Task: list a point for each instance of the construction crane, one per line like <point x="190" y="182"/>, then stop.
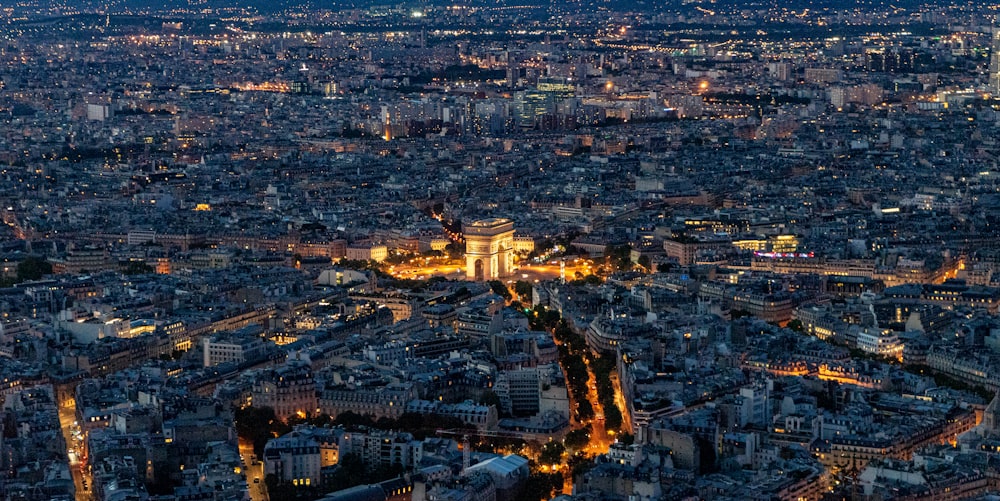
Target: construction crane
<point x="481" y="433"/>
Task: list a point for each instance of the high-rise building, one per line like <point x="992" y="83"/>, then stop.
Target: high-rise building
<point x="995" y="62"/>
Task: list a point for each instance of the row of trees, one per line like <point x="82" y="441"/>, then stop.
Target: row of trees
<point x="34" y="268"/>
<point x="259" y="424"/>
<point x="351" y="471"/>
<point x="603" y="368"/>
<point x="572" y="348"/>
<point x="31" y="268"/>
<point x="540" y="486"/>
<point x="576" y="381"/>
<point x="542" y="319"/>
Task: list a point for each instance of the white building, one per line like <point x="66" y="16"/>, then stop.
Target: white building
<point x="87" y="327"/>
<point x="753" y="406"/>
<point x="293" y="458"/>
<point x="366" y="251"/>
<point x="519" y="391"/>
<point x="99" y="112"/>
<point x="483" y="417"/>
<point x="222" y="349"/>
<point x="882" y="342"/>
<point x="139" y="237"/>
<point x="507" y="472"/>
<point x="382" y="448"/>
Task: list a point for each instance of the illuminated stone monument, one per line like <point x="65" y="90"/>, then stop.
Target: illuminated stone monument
<point x="489" y="249"/>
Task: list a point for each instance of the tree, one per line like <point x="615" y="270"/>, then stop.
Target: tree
<point x="351" y="471"/>
<point x="542" y="318"/>
<point x="539" y="486"/>
<point x="523" y="288"/>
<point x="645" y="262"/>
<point x="488" y="397"/>
<point x="584" y="410"/>
<point x="397" y="258"/>
<point x="454" y="250"/>
<point x="500" y="289"/>
<point x="612" y="417"/>
<point x="354" y="264"/>
<point x="734" y="314"/>
<point x="258" y="425"/>
<point x="552" y="453"/>
<point x="619" y="256"/>
<point x="577" y="439"/>
<point x="320" y="420"/>
<point x="588" y="280"/>
<point x="353" y="420"/>
<point x="33" y="268"/>
<point x="579" y="465"/>
<point x="137" y="268"/>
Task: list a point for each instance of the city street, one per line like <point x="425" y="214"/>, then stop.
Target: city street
<point x="82" y="481"/>
<point x="255" y="473"/>
<point x="600" y="439"/>
<point x="424" y="268"/>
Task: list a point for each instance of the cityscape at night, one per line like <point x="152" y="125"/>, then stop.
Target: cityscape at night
<point x="499" y="250"/>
